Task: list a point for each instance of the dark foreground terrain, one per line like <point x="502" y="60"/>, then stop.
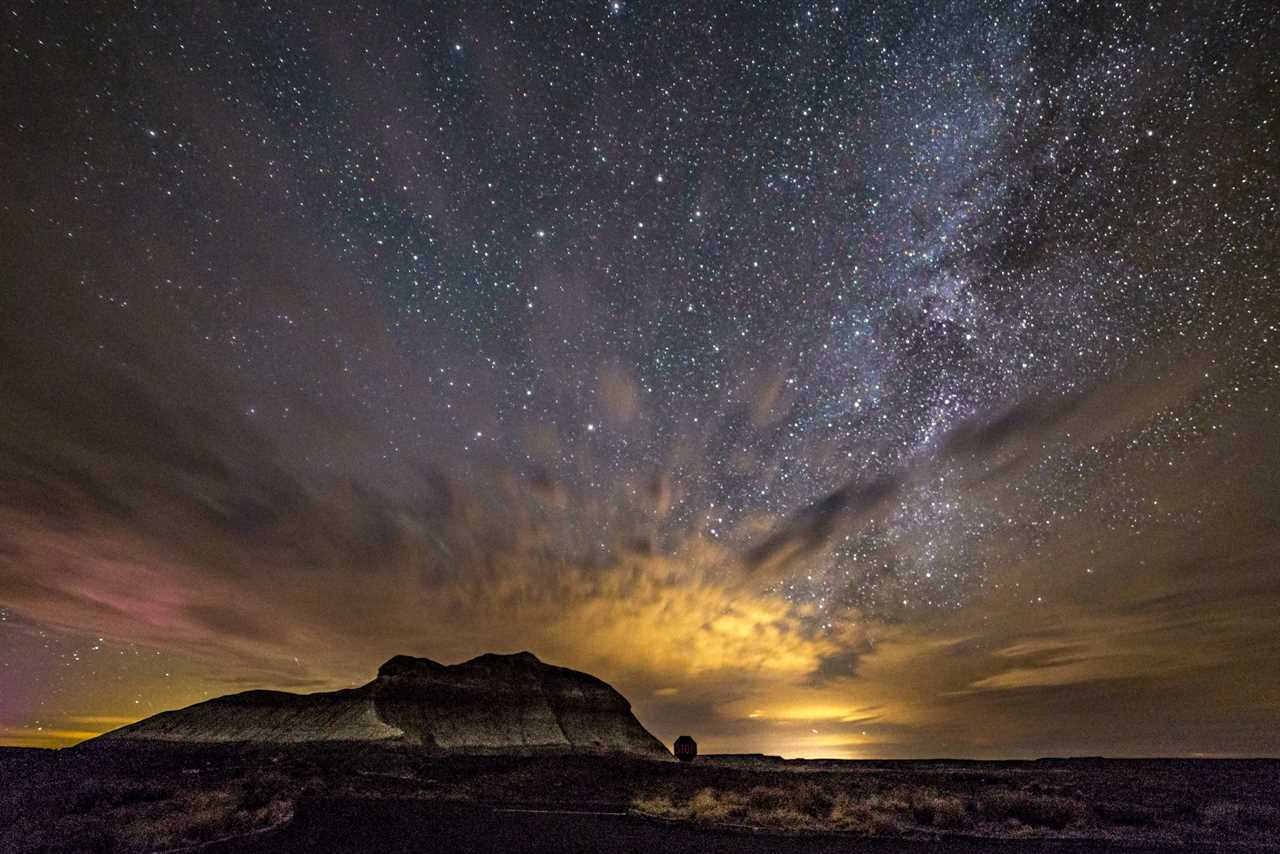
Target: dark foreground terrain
<point x="367" y="797"/>
<point x="351" y="825"/>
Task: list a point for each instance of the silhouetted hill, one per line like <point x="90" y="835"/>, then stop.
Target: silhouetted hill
<point x="490" y="702"/>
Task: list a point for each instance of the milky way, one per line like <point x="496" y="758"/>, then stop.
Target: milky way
<point x="943" y="328"/>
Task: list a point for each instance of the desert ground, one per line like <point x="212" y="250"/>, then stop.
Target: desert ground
<point x="339" y="797"/>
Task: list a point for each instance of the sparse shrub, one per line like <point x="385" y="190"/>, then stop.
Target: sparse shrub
<point x="96" y="839"/>
<point x="206" y="828"/>
<point x="766" y="806"/>
<point x="659" y="805"/>
<point x="705" y="805"/>
<point x="940" y="811"/>
<point x="1133" y="815"/>
<point x="1226" y="816"/>
<point x="851" y="814"/>
<point x="883" y="824"/>
<point x="1049" y="811"/>
<point x="1221" y="815"/>
<point x="81" y="835"/>
<point x="848" y="810"/>
<point x="762" y="799"/>
<point x="813" y="801"/>
<point x="141" y="794"/>
<point x="88" y="796"/>
<point x="893" y="802"/>
<point x="260" y="789"/>
<point x="780" y="817"/>
<point x="1259" y="817"/>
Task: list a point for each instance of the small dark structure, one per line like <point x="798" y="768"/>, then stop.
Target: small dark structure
<point x="686" y="748"/>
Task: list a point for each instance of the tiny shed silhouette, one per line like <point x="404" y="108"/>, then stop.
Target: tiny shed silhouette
<point x="686" y="748"/>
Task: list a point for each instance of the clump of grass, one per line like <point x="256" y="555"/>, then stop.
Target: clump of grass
<point x="1132" y="815"/>
<point x="706" y="805"/>
<point x="805" y="806"/>
<point x="810" y="805"/>
<point x="940" y="811"/>
<point x="1259" y="817"/>
<point x="129" y="817"/>
<point x="783" y="817"/>
<point x="88" y="796"/>
<point x="764" y="806"/>
<point x="1051" y="811"/>
<point x="891" y="802"/>
<point x="80" y="834"/>
<point x="866" y="817"/>
<point x="258" y="790"/>
<point x="202" y="817"/>
<point x="1224" y="815"/>
<point x="764" y="799"/>
<point x="658" y="805"/>
<point x="813" y="801"/>
<point x="1221" y="814"/>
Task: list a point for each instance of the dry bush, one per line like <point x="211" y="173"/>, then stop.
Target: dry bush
<point x="659" y="805"/>
<point x="762" y="799"/>
<point x="1050" y="811"/>
<point x="1221" y="815"/>
<point x="859" y="816"/>
<point x="941" y="811"/>
<point x="780" y="817"/>
<point x="80" y="834"/>
<point x="893" y="802"/>
<point x="813" y="806"/>
<point x="706" y="805"/>
<point x="183" y="821"/>
<point x="765" y="806"/>
<point x="848" y="809"/>
<point x="1130" y="814"/>
<point x="1259" y="817"/>
<point x="258" y="790"/>
<point x="88" y="796"/>
<point x="1187" y="812"/>
<point x="813" y="801"/>
<point x="104" y="794"/>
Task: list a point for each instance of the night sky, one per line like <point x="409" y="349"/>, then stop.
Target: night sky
<point x="833" y="379"/>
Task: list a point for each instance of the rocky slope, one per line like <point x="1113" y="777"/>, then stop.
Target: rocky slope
<point x="490" y="702"/>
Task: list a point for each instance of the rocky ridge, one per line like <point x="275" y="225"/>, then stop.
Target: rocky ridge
<point x="492" y="702"/>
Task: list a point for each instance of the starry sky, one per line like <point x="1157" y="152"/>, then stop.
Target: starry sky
<point x="834" y="379"/>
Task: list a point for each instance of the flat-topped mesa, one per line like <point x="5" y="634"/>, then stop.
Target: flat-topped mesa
<point x="492" y="702"/>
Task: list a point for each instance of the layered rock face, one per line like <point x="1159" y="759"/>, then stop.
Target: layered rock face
<point x="490" y="702"/>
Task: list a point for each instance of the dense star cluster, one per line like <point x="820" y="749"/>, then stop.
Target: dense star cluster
<point x="882" y="314"/>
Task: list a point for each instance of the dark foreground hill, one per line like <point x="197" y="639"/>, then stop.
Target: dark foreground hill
<point x="493" y="702"/>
